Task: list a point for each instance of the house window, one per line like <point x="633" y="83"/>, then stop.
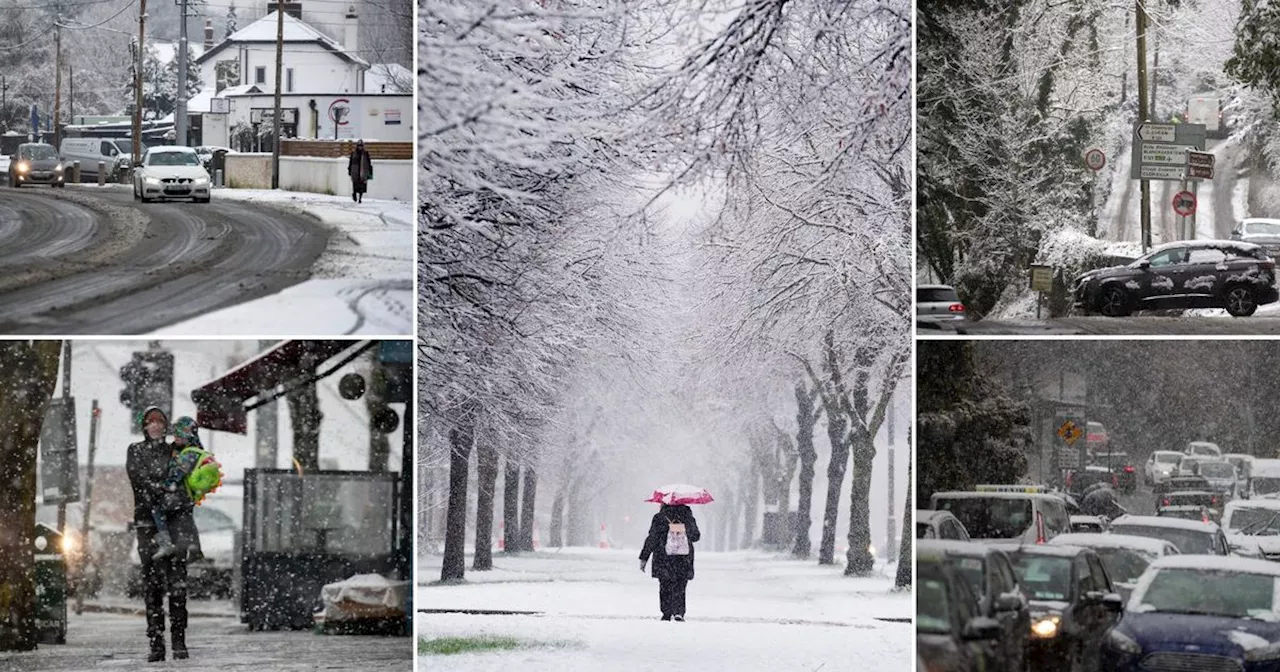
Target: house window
<point x="260" y="75"/>
<point x="288" y="80"/>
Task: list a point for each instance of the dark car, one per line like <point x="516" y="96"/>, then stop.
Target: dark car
<point x="1120" y="465"/>
<point x="1208" y="500"/>
<point x="1180" y="484"/>
<point x="1234" y="275"/>
<point x="35" y="163"/>
<point x="1073" y="604"/>
<point x="993" y="581"/>
<point x="1201" y="513"/>
<point x="1198" y="613"/>
<point x="1259" y="231"/>
<point x="952" y="635"/>
<point x="1081" y="480"/>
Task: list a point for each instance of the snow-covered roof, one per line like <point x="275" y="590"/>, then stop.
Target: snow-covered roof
<point x="929" y="515"/>
<point x="1217" y="563"/>
<point x="396" y="77"/>
<point x="171" y="149"/>
<point x="1269" y="468"/>
<point x="970" y="549"/>
<point x="1096" y="540"/>
<point x="1061" y="551"/>
<point x="1158" y="521"/>
<point x="295" y="32"/>
<point x="1235" y="505"/>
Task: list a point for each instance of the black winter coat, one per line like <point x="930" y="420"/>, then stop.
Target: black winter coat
<point x="147" y="463"/>
<point x="670" y="566"/>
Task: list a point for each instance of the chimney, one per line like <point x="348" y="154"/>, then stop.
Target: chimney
<point x="293" y="9"/>
<point x="208" y="34"/>
<point x="351" y="31"/>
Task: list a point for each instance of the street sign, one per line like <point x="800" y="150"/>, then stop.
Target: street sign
<point x="1204" y="159"/>
<point x="1041" y="278"/>
<point x="1149" y="132"/>
<point x="1095" y="159"/>
<point x="59" y="464"/>
<point x="1184" y="203"/>
<point x="1199" y="173"/>
<point x="1070" y="432"/>
<point x="1160" y="150"/>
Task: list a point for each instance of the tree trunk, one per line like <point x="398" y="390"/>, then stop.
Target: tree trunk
<point x="375" y="401"/>
<point x="731" y="507"/>
<point x="305" y="415"/>
<point x="30" y="372"/>
<point x="577" y="516"/>
<point x="835" y="481"/>
<point x="858" y="558"/>
<point x="487" y="482"/>
<point x="526" y="513"/>
<point x="905" y="560"/>
<point x="806" y="416"/>
<point x="751" y="508"/>
<point x="511" y="507"/>
<point x="455" y="534"/>
<point x="557" y="521"/>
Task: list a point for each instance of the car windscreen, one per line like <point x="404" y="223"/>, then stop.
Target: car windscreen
<point x="1168" y="458"/>
<point x="936" y="295"/>
<point x="1263" y="228"/>
<point x="1190" y="499"/>
<point x="1217" y="470"/>
<point x="973" y="571"/>
<point x="1209" y="592"/>
<point x="41" y="153"/>
<point x="1043" y="577"/>
<point x="173" y="159"/>
<point x="924" y="531"/>
<point x="1265" y="485"/>
<point x="990" y="517"/>
<point x="1188" y="542"/>
<point x="1261" y="522"/>
<point x="932" y="606"/>
<point x="1124" y="565"/>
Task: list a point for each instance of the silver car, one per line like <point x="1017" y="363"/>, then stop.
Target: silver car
<point x="1259" y="231"/>
<point x="938" y="303"/>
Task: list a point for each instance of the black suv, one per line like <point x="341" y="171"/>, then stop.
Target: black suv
<point x="1181" y="484"/>
<point x="1227" y="274"/>
<point x="1120" y="465"/>
<point x="1073" y="605"/>
<point x="952" y="635"/>
<point x="995" y="584"/>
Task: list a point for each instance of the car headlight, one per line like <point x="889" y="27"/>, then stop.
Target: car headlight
<point x="23" y="167"/>
<point x="68" y="544"/>
<point x="151" y="180"/>
<point x="1122" y="642"/>
<point x="202" y="180"/>
<point x="57" y="168"/>
<point x="1045" y="627"/>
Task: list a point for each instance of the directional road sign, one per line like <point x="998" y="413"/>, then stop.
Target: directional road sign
<point x="1160" y="150"/>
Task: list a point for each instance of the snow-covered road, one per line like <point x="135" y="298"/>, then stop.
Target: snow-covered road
<point x="747" y="611"/>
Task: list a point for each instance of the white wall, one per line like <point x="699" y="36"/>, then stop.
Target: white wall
<point x="369" y="118"/>
<point x="314" y="68"/>
<point x="391" y="179"/>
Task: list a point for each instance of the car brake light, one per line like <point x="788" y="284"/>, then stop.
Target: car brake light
<point x="1040" y="528"/>
<point x="1213" y="500"/>
<point x="1128" y="470"/>
<point x="1164" y="502"/>
<point x="956" y="308"/>
<point x="1114" y="482"/>
<point x="1069" y="475"/>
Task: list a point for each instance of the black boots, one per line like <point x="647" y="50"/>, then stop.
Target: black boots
<point x="157" y="650"/>
<point x="179" y="646"/>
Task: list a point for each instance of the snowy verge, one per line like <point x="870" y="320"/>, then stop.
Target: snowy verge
<point x="1070" y="252"/>
<point x="313" y="307"/>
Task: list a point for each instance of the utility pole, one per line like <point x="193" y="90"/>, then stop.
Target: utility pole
<point x="275" y="121"/>
<point x="1142" y="116"/>
<point x="890" y="548"/>
<point x="57" y="89"/>
<point x="66" y="396"/>
<point x="71" y="94"/>
<point x="180" y="108"/>
<point x="86" y="549"/>
<point x="137" y="85"/>
<point x="4" y="102"/>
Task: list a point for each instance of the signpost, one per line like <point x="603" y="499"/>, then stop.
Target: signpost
<point x="1160" y="152"/>
<point x="1184" y="203"/>
<point x="1041" y="282"/>
<point x="1095" y="159"/>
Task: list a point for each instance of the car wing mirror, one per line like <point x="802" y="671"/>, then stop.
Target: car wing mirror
<point x="1144" y="264"/>
<point x="1009" y="602"/>
<point x="981" y="628"/>
<point x="1113" y="602"/>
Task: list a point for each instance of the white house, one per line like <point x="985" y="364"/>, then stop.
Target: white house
<point x="311" y="62"/>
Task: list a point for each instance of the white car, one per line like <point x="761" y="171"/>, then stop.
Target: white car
<point x="1161" y="465"/>
<point x="1253" y="527"/>
<point x="171" y="172"/>
<point x="1125" y="557"/>
<point x="938" y="303"/>
<point x="1189" y="465"/>
<point x="1203" y="448"/>
<point x="939" y="525"/>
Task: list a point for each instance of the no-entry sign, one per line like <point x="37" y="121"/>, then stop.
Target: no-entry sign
<point x="1184" y="203"/>
<point x="1095" y="159"/>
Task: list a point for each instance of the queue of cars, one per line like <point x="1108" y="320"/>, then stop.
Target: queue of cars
<point x="1149" y="593"/>
<point x="163" y="172"/>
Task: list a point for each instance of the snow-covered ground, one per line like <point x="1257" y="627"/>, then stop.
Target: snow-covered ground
<point x="362" y="284"/>
<point x="747" y="611"/>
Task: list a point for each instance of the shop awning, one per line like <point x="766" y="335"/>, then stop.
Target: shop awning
<point x="223" y="404"/>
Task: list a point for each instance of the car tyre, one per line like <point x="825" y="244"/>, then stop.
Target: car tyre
<point x="1114" y="302"/>
<point x="1240" y="301"/>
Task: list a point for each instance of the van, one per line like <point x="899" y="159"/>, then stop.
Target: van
<point x="1015" y="513"/>
<point x="115" y="153"/>
<point x="1264" y="479"/>
<point x="1203" y="448"/>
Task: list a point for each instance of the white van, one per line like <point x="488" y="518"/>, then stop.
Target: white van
<point x="115" y="153"/>
<point x="1264" y="479"/>
<point x="1017" y="513"/>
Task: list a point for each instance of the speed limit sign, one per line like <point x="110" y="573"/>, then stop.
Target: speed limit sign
<point x="1095" y="159"/>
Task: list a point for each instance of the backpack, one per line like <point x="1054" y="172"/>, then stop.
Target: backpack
<point x="677" y="540"/>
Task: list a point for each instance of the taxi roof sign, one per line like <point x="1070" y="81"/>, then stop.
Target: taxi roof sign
<point x="1030" y="489"/>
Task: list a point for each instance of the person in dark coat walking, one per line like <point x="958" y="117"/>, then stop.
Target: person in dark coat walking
<point x="360" y="168"/>
<point x="147" y="463"/>
<point x="673" y="571"/>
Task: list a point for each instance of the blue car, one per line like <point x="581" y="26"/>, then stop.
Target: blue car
<point x="1206" y="613"/>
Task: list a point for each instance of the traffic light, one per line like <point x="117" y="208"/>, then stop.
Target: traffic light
<point x="148" y="381"/>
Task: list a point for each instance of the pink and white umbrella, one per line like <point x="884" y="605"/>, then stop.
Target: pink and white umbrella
<point x="680" y="493"/>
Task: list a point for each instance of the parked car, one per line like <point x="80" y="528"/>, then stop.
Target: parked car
<point x="212" y="576"/>
<point x="1259" y="231"/>
<point x="1190" y="536"/>
<point x="1237" y="276"/>
<point x="994" y="583"/>
<point x="952" y="635"/>
<point x="939" y="525"/>
<point x="1200" y="613"/>
<point x="1161" y="465"/>
<point x="35" y="163"/>
<point x="1124" y="557"/>
<point x="171" y="172"/>
<point x="938" y="303"/>
<point x="1073" y="604"/>
<point x="115" y="155"/>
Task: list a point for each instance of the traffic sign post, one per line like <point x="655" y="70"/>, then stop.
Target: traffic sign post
<point x="1041" y="282"/>
<point x="1095" y="159"/>
<point x="1160" y="153"/>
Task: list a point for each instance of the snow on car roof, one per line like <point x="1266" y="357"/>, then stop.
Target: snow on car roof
<point x="930" y="516"/>
<point x="1268" y="468"/>
<point x="934" y="287"/>
<point x="1168" y="452"/>
<point x="1096" y="540"/>
<point x="1196" y="244"/>
<point x="964" y="494"/>
<point x="1156" y="521"/>
<point x="163" y="149"/>
<point x="1217" y="562"/>
<point x="954" y="547"/>
<point x="1269" y="504"/>
<point x="1061" y="550"/>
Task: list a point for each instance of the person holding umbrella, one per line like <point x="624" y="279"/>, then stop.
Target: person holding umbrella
<point x="672" y="535"/>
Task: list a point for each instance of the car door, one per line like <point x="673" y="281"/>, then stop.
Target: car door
<point x="1085" y="614"/>
<point x="1202" y="276"/>
<point x="1156" y="283"/>
<point x="1016" y="624"/>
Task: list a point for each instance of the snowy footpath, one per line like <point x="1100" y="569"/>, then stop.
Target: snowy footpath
<point x="362" y="284"/>
<point x="595" y="610"/>
<point x="118" y="642"/>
